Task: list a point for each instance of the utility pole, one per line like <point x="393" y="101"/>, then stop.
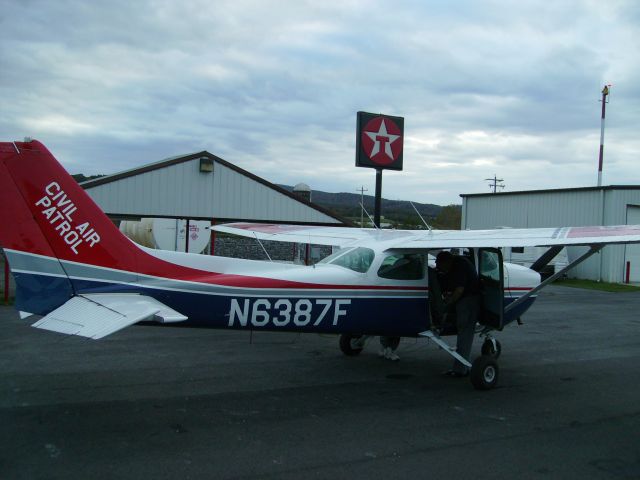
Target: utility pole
<point x="362" y="190"/>
<point x="495" y="183"/>
<point x="605" y="94"/>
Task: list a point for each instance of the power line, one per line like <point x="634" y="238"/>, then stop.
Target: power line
<point x="495" y="183"/>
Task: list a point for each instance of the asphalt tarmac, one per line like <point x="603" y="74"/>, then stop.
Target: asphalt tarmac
<point x="157" y="402"/>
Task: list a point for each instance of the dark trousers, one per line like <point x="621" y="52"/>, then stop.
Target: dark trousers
<point x="467" y="312"/>
<point x="390" y="342"/>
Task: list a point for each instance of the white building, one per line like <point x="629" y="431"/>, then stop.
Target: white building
<point x="202" y="189"/>
<point x="612" y="205"/>
<point x="202" y="186"/>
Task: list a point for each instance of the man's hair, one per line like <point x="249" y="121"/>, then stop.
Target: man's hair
<point x="444" y="257"/>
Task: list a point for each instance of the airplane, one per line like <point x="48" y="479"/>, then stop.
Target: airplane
<point x="73" y="267"/>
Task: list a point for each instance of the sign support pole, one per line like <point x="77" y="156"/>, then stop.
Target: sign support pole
<point x="376" y="211"/>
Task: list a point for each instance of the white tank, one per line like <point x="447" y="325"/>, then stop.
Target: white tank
<point x="168" y="234"/>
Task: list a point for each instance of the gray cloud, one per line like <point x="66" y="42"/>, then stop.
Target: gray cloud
<point x="503" y="87"/>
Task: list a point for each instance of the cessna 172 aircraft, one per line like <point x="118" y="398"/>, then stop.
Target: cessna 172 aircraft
<point x="76" y="269"/>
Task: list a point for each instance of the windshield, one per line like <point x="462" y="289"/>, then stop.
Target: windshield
<point x="357" y="259"/>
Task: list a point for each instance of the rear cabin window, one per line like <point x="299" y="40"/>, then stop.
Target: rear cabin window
<point x="402" y="266"/>
<point x="356" y="259"/>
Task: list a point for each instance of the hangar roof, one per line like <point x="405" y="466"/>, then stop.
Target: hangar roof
<point x="175" y="187"/>
<point x="556" y="190"/>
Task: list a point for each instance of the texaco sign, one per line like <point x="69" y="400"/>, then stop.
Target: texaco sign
<point x="379" y="141"/>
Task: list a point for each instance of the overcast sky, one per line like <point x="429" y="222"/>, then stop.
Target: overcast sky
<point x="503" y="87"/>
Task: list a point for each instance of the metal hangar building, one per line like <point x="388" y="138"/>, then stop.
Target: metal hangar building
<point x="202" y="186"/>
<point x="199" y="190"/>
<point x="609" y="205"/>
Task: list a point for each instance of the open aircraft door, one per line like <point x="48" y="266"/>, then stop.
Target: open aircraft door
<point x="491" y="274"/>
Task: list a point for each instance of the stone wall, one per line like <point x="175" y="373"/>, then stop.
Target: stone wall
<point x="249" y="248"/>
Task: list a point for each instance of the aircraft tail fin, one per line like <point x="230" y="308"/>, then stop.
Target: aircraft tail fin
<point x="50" y="223"/>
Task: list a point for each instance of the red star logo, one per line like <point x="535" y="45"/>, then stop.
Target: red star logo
<point x="382" y="141"/>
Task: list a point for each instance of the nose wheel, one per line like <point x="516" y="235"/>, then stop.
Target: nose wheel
<point x="484" y="372"/>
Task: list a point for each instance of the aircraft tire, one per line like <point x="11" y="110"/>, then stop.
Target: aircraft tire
<point x="487" y="349"/>
<point x="484" y="372"/>
<point x="346" y="347"/>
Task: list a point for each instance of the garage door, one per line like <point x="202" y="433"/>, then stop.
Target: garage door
<point x="633" y="251"/>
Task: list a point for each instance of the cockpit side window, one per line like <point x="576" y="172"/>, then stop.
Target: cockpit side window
<point x="402" y="266"/>
<point x="357" y="259"/>
<point x="489" y="266"/>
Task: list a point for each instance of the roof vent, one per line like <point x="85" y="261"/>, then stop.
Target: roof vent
<point x="206" y="165"/>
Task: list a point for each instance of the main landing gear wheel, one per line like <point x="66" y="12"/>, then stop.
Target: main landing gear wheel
<point x="484" y="373"/>
<point x="350" y="345"/>
<point x="491" y="349"/>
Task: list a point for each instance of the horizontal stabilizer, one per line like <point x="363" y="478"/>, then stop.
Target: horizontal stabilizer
<point x="98" y="315"/>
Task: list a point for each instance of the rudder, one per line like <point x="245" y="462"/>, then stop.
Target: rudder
<point x="49" y="222"/>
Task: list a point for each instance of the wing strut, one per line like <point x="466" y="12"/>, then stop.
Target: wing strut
<point x="545" y="258"/>
<point x="580" y="259"/>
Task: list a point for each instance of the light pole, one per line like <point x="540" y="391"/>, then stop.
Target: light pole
<point x="605" y="93"/>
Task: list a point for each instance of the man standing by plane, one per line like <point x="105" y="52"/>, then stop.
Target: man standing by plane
<point x="461" y="289"/>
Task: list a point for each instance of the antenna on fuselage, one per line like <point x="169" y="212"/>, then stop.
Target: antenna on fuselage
<point x="264" y="249"/>
<point x="370" y="219"/>
<point x="423" y="220"/>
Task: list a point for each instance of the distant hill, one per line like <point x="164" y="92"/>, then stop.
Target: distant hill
<point x="398" y="212"/>
<point x="79" y="177"/>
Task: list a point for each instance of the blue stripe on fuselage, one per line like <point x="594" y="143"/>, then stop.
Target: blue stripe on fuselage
<point x="318" y="312"/>
<point x="397" y="316"/>
<point x="40" y="294"/>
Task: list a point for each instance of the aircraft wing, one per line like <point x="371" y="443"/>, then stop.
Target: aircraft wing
<point x="436" y="239"/>
<point x="316" y="235"/>
<point x="101" y="314"/>
<point x="522" y="237"/>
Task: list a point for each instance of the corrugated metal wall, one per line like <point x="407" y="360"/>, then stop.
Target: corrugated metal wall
<point x="606" y="206"/>
<point x="181" y="190"/>
<point x="616" y="202"/>
<point x="632" y="252"/>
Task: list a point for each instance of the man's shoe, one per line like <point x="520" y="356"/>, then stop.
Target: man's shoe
<point x="391" y="355"/>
